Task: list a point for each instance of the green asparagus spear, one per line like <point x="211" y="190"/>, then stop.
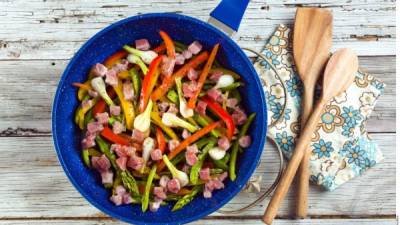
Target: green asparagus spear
<point x="187" y="198"/>
<point x="235" y="149"/>
<point x="85" y="157"/>
<point x="145" y="198"/>
<point x="194" y="171"/>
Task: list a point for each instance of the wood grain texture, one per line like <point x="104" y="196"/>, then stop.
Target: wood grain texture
<point x="34" y="185"/>
<point x="28" y="89"/>
<point x="40" y="29"/>
<point x="209" y="222"/>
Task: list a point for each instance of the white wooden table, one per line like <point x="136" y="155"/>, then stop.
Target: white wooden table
<point x="37" y="39"/>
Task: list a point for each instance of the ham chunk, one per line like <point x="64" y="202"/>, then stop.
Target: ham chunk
<point x="164" y="181"/>
<point x="172" y="109"/>
<point x="121" y="162"/>
<point x="214" y="94"/>
<point x="205" y="174"/>
<point x="159" y="193"/>
<point x="179" y="59"/>
<point x="192" y="74"/>
<point x="173" y="185"/>
<point x="172" y="144"/>
<point x="187" y="54"/>
<point x="88" y="141"/>
<point x="138" y="136"/>
<point x="185" y="134"/>
<point x="123" y="65"/>
<point x="94" y="127"/>
<point x="93" y="93"/>
<point x="245" y="141"/>
<point x="107" y="177"/>
<point x="101" y="163"/>
<point x="115" y="110"/>
<point x="216" y="75"/>
<point x="239" y="116"/>
<point x="116" y="199"/>
<point x="118" y="127"/>
<point x="223" y="143"/>
<point x="231" y="103"/>
<point x="167" y="66"/>
<point x="191" y="158"/>
<point x="127" y="90"/>
<point x="87" y="103"/>
<point x="195" y="47"/>
<point x="111" y="78"/>
<point x="99" y="70"/>
<point x="154" y="206"/>
<point x="156" y="154"/>
<point x="201" y="107"/>
<point x="135" y="163"/>
<point x="102" y="117"/>
<point x="189" y="89"/>
<point x="142" y="44"/>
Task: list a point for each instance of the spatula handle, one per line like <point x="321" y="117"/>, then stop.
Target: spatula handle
<point x="287" y="178"/>
<point x="304" y="171"/>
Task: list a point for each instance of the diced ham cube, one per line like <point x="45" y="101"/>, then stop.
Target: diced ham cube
<point x="116" y="199"/>
<point x="231" y="102"/>
<point x="164" y="181"/>
<point x="102" y="117"/>
<point x="101" y="163"/>
<point x="187" y="54"/>
<point x="87" y="103"/>
<point x="163" y="106"/>
<point x="121" y="162"/>
<point x="111" y="78"/>
<point x="239" y="116"/>
<point x="185" y="134"/>
<point x="173" y="185"/>
<point x="138" y="136"/>
<point x="127" y="89"/>
<point x="192" y="74"/>
<point x="189" y="89"/>
<point x="214" y="94"/>
<point x="192" y="149"/>
<point x="107" y="177"/>
<point x="245" y="141"/>
<point x="172" y="144"/>
<point x="135" y="162"/>
<point x="93" y="93"/>
<point x="201" y="107"/>
<point x="223" y="143"/>
<point x="159" y="193"/>
<point x="122" y="150"/>
<point x="167" y="66"/>
<point x="120" y="190"/>
<point x="99" y="70"/>
<point x="156" y="154"/>
<point x="118" y="127"/>
<point x="216" y="75"/>
<point x="195" y="47"/>
<point x="123" y="65"/>
<point x="205" y="174"/>
<point x="115" y="110"/>
<point x="94" y="127"/>
<point x="179" y="59"/>
<point x="127" y="199"/>
<point x="142" y="44"/>
<point x="214" y="184"/>
<point x="191" y="158"/>
<point x="88" y="141"/>
<point x="172" y="109"/>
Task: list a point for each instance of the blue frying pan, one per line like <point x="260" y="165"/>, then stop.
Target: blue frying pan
<point x="182" y="28"/>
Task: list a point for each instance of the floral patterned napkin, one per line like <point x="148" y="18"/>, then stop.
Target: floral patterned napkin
<point x="341" y="147"/>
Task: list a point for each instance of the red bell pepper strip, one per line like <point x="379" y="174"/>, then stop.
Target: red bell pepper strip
<point x="110" y="61"/>
<point x="160" y="140"/>
<point x="149" y="82"/>
<point x="182" y="146"/>
<point x="221" y="113"/>
<point x="101" y="104"/>
<point x="203" y="76"/>
<point x="168" y="82"/>
<point x="114" y="138"/>
<point x="169" y="44"/>
<point x="159" y="49"/>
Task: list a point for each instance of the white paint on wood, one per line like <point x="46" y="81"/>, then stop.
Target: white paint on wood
<point x="34" y="185"/>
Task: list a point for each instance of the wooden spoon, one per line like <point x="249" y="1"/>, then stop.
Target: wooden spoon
<point x="312" y="40"/>
<point x="338" y="76"/>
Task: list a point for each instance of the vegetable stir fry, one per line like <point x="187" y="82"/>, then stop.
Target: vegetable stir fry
<point x="162" y="125"/>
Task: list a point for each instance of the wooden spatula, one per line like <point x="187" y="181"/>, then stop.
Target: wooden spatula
<point x="312" y="40"/>
<point x="338" y="76"/>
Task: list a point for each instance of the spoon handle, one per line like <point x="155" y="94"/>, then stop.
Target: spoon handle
<point x="304" y="173"/>
<point x="287" y="178"/>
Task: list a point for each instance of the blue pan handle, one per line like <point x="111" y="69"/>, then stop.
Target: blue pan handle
<point x="230" y="12"/>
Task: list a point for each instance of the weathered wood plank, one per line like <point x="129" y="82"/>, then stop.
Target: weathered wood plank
<point x="51" y="29"/>
<point x="28" y="88"/>
<point x="208" y="222"/>
<point x="33" y="185"/>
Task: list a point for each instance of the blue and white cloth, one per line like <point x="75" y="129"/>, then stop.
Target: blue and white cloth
<point x="341" y="147"/>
